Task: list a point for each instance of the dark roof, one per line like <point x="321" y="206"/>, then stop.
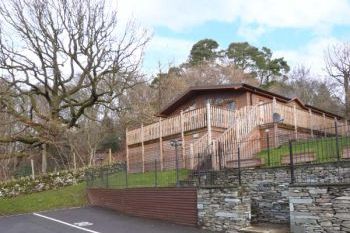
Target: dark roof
<point x="194" y="91"/>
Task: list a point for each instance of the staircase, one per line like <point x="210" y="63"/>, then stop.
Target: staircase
<point x="243" y="133"/>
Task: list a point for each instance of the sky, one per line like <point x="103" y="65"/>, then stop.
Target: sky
<point x="298" y="30"/>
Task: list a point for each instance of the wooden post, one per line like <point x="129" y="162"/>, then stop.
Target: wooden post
<point x="110" y="156"/>
<point x="160" y="144"/>
<point x="74" y="161"/>
<point x="209" y="124"/>
<point x="127" y="149"/>
<point x="191" y="156"/>
<point x="336" y="125"/>
<point x="44" y="159"/>
<point x="310" y="123"/>
<point x="142" y="150"/>
<point x="346" y="127"/>
<point x="32" y="165"/>
<point x="324" y="125"/>
<point x="183" y="139"/>
<point x="210" y="145"/>
<point x="295" y="121"/>
<point x="275" y="124"/>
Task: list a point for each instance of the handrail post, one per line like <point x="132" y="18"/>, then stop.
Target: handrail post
<point x="310" y="123"/>
<point x="337" y="138"/>
<point x="239" y="165"/>
<point x="291" y="163"/>
<point x="191" y="156"/>
<point x="183" y="139"/>
<point x="275" y="124"/>
<point x="295" y="121"/>
<point x="209" y="130"/>
<point x="209" y="123"/>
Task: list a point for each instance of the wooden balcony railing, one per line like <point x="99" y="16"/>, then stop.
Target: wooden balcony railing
<point x="186" y="121"/>
<point x="223" y="118"/>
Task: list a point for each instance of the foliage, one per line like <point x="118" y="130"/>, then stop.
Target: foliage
<point x="258" y="62"/>
<point x="63" y="61"/>
<point x="63" y="197"/>
<point x="203" y="51"/>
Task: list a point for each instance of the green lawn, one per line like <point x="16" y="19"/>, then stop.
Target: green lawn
<point x="324" y="148"/>
<point x="147" y="179"/>
<point x="70" y="196"/>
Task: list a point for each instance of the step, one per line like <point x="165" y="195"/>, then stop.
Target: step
<point x="266" y="228"/>
<point x="256" y="162"/>
<point x="299" y="158"/>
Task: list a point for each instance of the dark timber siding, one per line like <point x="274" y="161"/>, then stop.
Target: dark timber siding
<point x="177" y="205"/>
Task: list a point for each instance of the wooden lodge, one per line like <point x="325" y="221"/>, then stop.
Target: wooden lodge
<point x="219" y="118"/>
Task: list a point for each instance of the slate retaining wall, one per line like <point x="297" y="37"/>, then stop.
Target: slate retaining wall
<point x="320" y="209"/>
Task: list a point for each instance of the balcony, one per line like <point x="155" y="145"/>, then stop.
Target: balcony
<point x="224" y="118"/>
<point x="183" y="122"/>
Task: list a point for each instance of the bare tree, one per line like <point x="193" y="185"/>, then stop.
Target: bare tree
<point x="58" y="58"/>
<point x="337" y="60"/>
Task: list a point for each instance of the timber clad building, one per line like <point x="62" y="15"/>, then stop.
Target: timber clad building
<point x="216" y="120"/>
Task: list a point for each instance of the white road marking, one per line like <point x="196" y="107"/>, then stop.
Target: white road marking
<point x="83" y="224"/>
<point x="65" y="223"/>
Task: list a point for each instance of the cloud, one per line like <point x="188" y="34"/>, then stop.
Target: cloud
<point x="311" y="55"/>
<point x="183" y="14"/>
<point x="167" y="51"/>
<point x="253" y="17"/>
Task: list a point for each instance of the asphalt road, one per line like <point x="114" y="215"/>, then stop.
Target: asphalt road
<point x="87" y="219"/>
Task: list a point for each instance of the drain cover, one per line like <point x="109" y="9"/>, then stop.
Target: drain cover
<point x="83" y="224"/>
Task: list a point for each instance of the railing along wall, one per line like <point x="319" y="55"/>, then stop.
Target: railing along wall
<point x="191" y="120"/>
<point x="246" y="119"/>
<point x="249" y="117"/>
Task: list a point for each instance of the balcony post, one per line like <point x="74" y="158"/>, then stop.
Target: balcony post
<point x="160" y="144"/>
<point x="142" y="150"/>
<point x="209" y="124"/>
<point x="275" y="124"/>
<point x="310" y="123"/>
<point x="210" y="149"/>
<point x="295" y="121"/>
<point x="127" y="149"/>
<point x="183" y="139"/>
<point x="191" y="156"/>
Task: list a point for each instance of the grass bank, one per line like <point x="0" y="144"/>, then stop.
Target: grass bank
<point x="148" y="179"/>
<point x="325" y="149"/>
<point x="70" y="196"/>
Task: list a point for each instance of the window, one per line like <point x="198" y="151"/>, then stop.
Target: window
<point x="219" y="101"/>
<point x="231" y="105"/>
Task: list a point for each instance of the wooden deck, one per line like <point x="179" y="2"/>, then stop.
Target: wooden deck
<point x="237" y="128"/>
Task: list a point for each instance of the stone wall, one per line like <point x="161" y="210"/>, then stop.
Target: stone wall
<point x="320" y="209"/>
<point x="269" y="187"/>
<point x="223" y="209"/>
